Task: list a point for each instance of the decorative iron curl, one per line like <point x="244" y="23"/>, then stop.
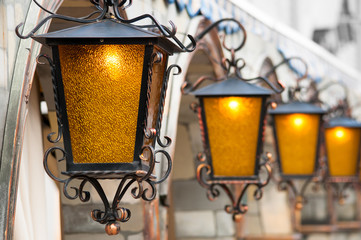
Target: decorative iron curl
<point x="57" y="16"/>
<point x="150" y="158"/>
<point x="217" y="23"/>
<point x="55" y="91"/>
<point x="169" y="166"/>
<point x="188" y="87"/>
<point x="236" y="208"/>
<point x="299" y="195"/>
<point x="103" y="12"/>
<point x="112" y="214"/>
<point x="339" y="190"/>
<point x="162" y="103"/>
<point x="46" y="166"/>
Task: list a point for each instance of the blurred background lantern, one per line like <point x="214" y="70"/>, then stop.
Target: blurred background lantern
<point x="342" y="140"/>
<point x="232" y="114"/>
<point x="297" y="131"/>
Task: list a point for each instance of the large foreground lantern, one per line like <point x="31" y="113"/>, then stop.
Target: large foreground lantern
<point x="342" y="140"/>
<point x="297" y="127"/>
<point x="110" y="79"/>
<point x="232" y="114"/>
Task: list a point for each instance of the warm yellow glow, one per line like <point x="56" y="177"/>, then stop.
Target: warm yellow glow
<point x="298" y="121"/>
<point x="342" y="146"/>
<point x="233" y="134"/>
<point x="233" y="105"/>
<point x="297" y="136"/>
<point x="340" y="133"/>
<point x="102" y="88"/>
<point x="112" y="58"/>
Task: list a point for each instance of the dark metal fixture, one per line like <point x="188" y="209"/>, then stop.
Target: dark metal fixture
<point x="110" y="79"/>
<point x="297" y="127"/>
<point x="231" y="114"/>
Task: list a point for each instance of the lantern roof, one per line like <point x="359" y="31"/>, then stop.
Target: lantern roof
<point x="297" y="107"/>
<point x="343" y="122"/>
<point x="232" y="87"/>
<point x="107" y="31"/>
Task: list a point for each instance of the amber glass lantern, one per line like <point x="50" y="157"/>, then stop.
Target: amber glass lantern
<point x="342" y="138"/>
<point x="110" y="80"/>
<point x="232" y="115"/>
<point x="109" y="83"/>
<point x="297" y="136"/>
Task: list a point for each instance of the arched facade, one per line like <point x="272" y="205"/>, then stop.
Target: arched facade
<point x="270" y="216"/>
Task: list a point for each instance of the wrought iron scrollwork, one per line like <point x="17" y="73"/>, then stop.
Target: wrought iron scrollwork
<point x="236" y="208"/>
<point x="162" y="103"/>
<point x="57" y="108"/>
<point x="299" y="195"/>
<point x="143" y="182"/>
<point x="112" y="213"/>
<point x="235" y="65"/>
<point x="103" y="13"/>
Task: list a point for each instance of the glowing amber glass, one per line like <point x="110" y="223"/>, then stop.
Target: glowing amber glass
<point x="233" y="125"/>
<point x="297" y="136"/>
<point x="102" y="88"/>
<point x="342" y="146"/>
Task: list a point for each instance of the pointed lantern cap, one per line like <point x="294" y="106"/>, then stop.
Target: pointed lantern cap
<point x="297" y="107"/>
<point x="343" y="122"/>
<point x="107" y="31"/>
<point x="232" y="87"/>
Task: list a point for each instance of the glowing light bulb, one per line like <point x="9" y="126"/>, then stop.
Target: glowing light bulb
<point x="233" y="105"/>
<point x="112" y="59"/>
<point x="340" y="133"/>
<point x="298" y="121"/>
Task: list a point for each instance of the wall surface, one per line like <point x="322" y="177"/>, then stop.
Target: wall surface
<point x="190" y="215"/>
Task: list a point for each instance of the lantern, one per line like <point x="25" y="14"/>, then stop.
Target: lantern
<point x="110" y="80"/>
<point x="232" y="114"/>
<point x="342" y="138"/>
<point x="297" y="136"/>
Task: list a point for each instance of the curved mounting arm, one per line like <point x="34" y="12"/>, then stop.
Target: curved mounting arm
<point x="215" y="24"/>
<point x="239" y="64"/>
<point x="103" y="14"/>
<point x="342" y="108"/>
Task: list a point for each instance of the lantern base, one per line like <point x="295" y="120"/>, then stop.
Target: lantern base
<point x="343" y="179"/>
<point x="213" y="186"/>
<point x="111" y="174"/>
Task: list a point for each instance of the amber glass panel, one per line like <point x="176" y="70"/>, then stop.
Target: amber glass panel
<point x="233" y="125"/>
<point x="342" y="150"/>
<point x="102" y="88"/>
<point x="297" y="136"/>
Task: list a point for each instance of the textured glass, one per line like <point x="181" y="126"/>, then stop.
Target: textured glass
<point x="297" y="136"/>
<point x="102" y="88"/>
<point x="342" y="146"/>
<point x="233" y="125"/>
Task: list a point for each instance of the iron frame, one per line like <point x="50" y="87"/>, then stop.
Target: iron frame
<point x="316" y="160"/>
<point x="350" y="124"/>
<point x="128" y="173"/>
<point x="205" y="175"/>
<point x="206" y="144"/>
